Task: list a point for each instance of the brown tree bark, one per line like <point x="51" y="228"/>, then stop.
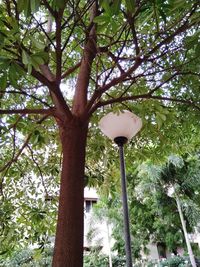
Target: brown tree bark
<point x="68" y="250"/>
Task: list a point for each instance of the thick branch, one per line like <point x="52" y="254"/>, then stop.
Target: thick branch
<point x="97" y="94"/>
<point x="62" y="109"/>
<point x="58" y="49"/>
<point x="40" y="77"/>
<point x="80" y="97"/>
<point x="61" y="106"/>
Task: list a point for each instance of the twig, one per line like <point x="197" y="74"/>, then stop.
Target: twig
<point x="39" y="169"/>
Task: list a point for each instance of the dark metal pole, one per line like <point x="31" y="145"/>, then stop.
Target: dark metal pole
<point x="125" y="207"/>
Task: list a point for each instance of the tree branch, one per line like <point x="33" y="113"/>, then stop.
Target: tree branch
<point x="169" y="38"/>
<point x="46" y="4"/>
<point x="97" y="94"/>
<point x="14" y="159"/>
<point x="70" y="70"/>
<point x="39" y="169"/>
<point x="46" y="32"/>
<point x="58" y="49"/>
<point x="21" y="92"/>
<point x="49" y="112"/>
<point x="144" y="96"/>
<point x="80" y="97"/>
<point x="183" y="101"/>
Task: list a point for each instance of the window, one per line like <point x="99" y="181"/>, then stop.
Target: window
<point x="89" y="204"/>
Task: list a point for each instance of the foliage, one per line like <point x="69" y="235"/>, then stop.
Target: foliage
<point x="29" y="258"/>
<point x="36" y="258"/>
<point x="99" y="260"/>
<point x="29" y="203"/>
<point x="176" y="261"/>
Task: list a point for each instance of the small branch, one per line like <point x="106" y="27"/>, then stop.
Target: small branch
<point x="115" y="59"/>
<point x="9" y="163"/>
<point x="118" y="100"/>
<point x="8" y="7"/>
<point x="144" y="96"/>
<point x="14" y="159"/>
<point x="179" y="30"/>
<point x="183" y="101"/>
<point x="41" y="77"/>
<point x="121" y="78"/>
<point x="46" y="32"/>
<point x="49" y="8"/>
<point x="39" y="169"/>
<point x="164" y="82"/>
<point x="26" y="94"/>
<point x="49" y="112"/>
<point x="133" y="30"/>
<point x="70" y="70"/>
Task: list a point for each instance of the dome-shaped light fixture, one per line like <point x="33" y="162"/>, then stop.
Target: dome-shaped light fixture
<point x="120" y="127"/>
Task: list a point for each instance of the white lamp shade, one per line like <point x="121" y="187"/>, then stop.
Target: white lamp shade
<point x="124" y="124"/>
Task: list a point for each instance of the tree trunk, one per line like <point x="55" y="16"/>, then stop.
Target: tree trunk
<point x="68" y="250"/>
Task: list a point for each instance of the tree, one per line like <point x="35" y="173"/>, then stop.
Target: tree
<point x="107" y="52"/>
<point x="182" y="174"/>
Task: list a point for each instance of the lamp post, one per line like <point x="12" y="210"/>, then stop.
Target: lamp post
<point x="171" y="193"/>
<point x="120" y="128"/>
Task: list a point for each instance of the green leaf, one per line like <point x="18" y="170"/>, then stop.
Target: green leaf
<point x="25" y="57"/>
<point x="29" y="68"/>
<point x="35" y="4"/>
<point x="43" y="55"/>
<point x="36" y="61"/>
<point x="3" y="81"/>
<point x="102" y="19"/>
<point x="116" y="6"/>
<point x="106" y="5"/>
<point x="18" y="69"/>
<point x="101" y="28"/>
<point x="37" y="44"/>
<point x="4" y="62"/>
<point x="20" y="5"/>
<point x="27" y="8"/>
<point x="13" y="76"/>
<point x="130" y="5"/>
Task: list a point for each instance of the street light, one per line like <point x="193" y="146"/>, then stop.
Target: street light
<point x="121" y="127"/>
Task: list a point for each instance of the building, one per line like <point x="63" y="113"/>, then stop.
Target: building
<point x="97" y="234"/>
